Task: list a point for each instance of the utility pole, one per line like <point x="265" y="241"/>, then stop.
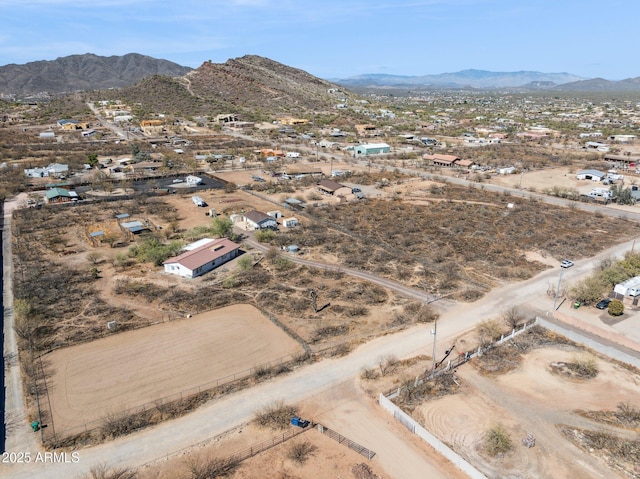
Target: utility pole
<point x="433" y="332"/>
<point x="555" y="300"/>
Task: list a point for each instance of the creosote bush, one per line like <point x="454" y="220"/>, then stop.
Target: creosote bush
<point x="498" y="441"/>
<point x="300" y="451"/>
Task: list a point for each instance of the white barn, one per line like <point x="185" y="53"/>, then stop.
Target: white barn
<point x="593" y="175"/>
<point x="201" y="257"/>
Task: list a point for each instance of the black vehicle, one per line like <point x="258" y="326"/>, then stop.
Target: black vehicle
<point x="604" y="304"/>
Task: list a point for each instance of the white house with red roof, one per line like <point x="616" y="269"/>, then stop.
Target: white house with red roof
<point x="201" y="257"/>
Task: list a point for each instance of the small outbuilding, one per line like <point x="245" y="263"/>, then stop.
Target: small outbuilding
<point x="290" y="222"/>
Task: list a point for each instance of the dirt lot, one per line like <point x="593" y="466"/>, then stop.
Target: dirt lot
<point x="531" y="400"/>
<point x="137" y="367"/>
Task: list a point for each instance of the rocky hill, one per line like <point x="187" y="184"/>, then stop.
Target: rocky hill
<point x="602" y="85"/>
<point x="252" y="86"/>
<point x="82" y="72"/>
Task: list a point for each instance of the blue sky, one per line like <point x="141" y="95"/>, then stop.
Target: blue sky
<point x="337" y="38"/>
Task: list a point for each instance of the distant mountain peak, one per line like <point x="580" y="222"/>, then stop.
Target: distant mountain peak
<point x="465" y="78"/>
<point x="83" y="72"/>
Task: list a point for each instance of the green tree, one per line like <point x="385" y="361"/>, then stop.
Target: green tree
<point x="616" y="308"/>
<point x="92" y="159"/>
<point x="265" y="236"/>
<point x="245" y="263"/>
<point x="221" y="227"/>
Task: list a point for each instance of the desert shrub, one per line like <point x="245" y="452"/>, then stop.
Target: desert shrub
<point x="513" y="317"/>
<point x="488" y="332"/>
<point x="369" y="373"/>
<point x="276" y="415"/>
<point x="330" y="331"/>
<point x="616" y="308"/>
<point x="210" y="468"/>
<point x="627" y="413"/>
<point x="355" y="311"/>
<point x="152" y="250"/>
<point x="102" y="471"/>
<point x="387" y="364"/>
<point x="265" y="236"/>
<point x="282" y="263"/>
<point x="363" y="471"/>
<point x="149" y="291"/>
<point x="300" y="451"/>
<point x="245" y="263"/>
<point x="584" y="366"/>
<point x="120" y="424"/>
<point x="497" y="441"/>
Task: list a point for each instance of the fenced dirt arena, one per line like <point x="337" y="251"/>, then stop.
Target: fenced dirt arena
<point x="138" y="367"/>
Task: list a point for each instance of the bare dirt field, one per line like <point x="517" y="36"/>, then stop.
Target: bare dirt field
<point x="532" y="400"/>
<point x="127" y="370"/>
<point x="347" y="410"/>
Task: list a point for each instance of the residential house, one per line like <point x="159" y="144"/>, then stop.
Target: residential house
<point x="53" y="169"/>
<point x="259" y="220"/>
<point x="441" y="160"/>
<point x="367" y="130"/>
<point x="465" y="163"/>
<point x="333" y="188"/>
<point x="60" y="195"/>
<point x="201" y="257"/>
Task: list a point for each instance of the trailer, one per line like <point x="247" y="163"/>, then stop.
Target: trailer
<point x="198" y="201"/>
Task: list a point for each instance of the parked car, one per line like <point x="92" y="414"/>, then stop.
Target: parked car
<point x="566" y="263"/>
<point x="178" y="180"/>
<point x="604" y="304"/>
<point x="356" y="190"/>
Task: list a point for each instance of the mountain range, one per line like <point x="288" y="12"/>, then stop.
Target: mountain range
<point x="258" y="78"/>
<point x="466" y="78"/>
<point x="83" y="72"/>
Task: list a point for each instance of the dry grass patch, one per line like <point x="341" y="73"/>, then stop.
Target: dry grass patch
<point x="276" y="416"/>
<point x="620" y="453"/>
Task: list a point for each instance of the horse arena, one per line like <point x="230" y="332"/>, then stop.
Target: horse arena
<point x="135" y="368"/>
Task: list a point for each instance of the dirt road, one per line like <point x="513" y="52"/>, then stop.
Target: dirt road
<point x="217" y="417"/>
